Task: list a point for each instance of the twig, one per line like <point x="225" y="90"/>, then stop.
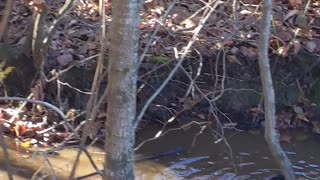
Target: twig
<point x="81" y="148"/>
<point x="153" y="70"/>
<point x="191" y="87"/>
<point x="160" y="133"/>
<point x="74" y="88"/>
<point x="50" y="128"/>
<point x="222" y="137"/>
<point x="13" y="117"/>
<point x="52" y="29"/>
<point x="94" y="90"/>
<point x="71" y="66"/>
<point x="59" y="90"/>
<point x="306" y="7"/>
<point x="201" y="9"/>
<point x="222" y="79"/>
<point x="146" y="49"/>
<point x="51" y="167"/>
<point x="234" y="9"/>
<point x="180" y="60"/>
<point x="194" y="140"/>
<point x="211" y="101"/>
<point x="34" y="176"/>
<point x="271" y="136"/>
<point x="62" y="144"/>
<point x="57" y="110"/>
<point x="6" y="155"/>
<point x="103" y="42"/>
<point x="91" y="160"/>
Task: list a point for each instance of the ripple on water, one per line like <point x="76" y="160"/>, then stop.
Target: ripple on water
<point x="297" y="167"/>
<point x="312" y="166"/>
<point x="290" y="153"/>
<point x="183" y="164"/>
<point x="244" y="154"/>
<point x="301" y="162"/>
<point x="246" y="164"/>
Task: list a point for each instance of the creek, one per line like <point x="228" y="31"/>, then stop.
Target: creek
<point x="208" y="157"/>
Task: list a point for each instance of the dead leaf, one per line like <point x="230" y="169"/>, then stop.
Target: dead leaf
<point x="245" y="12"/>
<point x="296" y="47"/>
<point x="22" y="40"/>
<point x="302" y="21"/>
<point x="303" y="117"/>
<point x="295" y="3"/>
<point x="65" y="59"/>
<point x="291" y="13"/>
<point x="256" y="110"/>
<point x="298" y="110"/>
<point x="38" y="1"/>
<point x="91" y="45"/>
<point x="233" y="59"/>
<point x="201" y="116"/>
<point x="249" y="52"/>
<point x="283" y="51"/>
<point x="310" y="46"/>
<point x="234" y="50"/>
<point x="188" y="103"/>
<point x="285" y="138"/>
<point x="284" y="35"/>
<point x="316" y="126"/>
<point x="38" y="5"/>
<point x="188" y="23"/>
<point x="300" y="113"/>
<point x="25" y="144"/>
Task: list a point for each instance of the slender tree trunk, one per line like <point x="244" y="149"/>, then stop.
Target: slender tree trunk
<point x="271" y="135"/>
<point x="121" y="96"/>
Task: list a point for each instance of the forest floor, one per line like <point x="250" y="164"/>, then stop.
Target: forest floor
<point x="222" y="60"/>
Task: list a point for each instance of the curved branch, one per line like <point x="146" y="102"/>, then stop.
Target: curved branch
<point x="180" y="60"/>
<point x="271" y="135"/>
<point x="48" y="105"/>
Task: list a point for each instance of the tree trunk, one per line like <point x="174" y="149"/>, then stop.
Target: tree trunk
<point x="271" y="135"/>
<point x="121" y="96"/>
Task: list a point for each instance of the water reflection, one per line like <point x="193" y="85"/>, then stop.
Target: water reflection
<point x="205" y="160"/>
<point x="251" y="156"/>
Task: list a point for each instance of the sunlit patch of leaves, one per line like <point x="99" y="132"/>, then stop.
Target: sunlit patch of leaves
<point x="4" y="72"/>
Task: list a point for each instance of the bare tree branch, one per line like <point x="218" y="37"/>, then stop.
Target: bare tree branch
<point x="6" y="155"/>
<point x="180" y="60"/>
<point x="146" y="49"/>
<point x="271" y="135"/>
<point x="48" y="105"/>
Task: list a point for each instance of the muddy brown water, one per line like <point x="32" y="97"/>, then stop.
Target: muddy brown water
<point x="208" y="158"/>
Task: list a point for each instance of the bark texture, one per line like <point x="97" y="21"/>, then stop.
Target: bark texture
<point x="271" y="135"/>
<point x="121" y="95"/>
